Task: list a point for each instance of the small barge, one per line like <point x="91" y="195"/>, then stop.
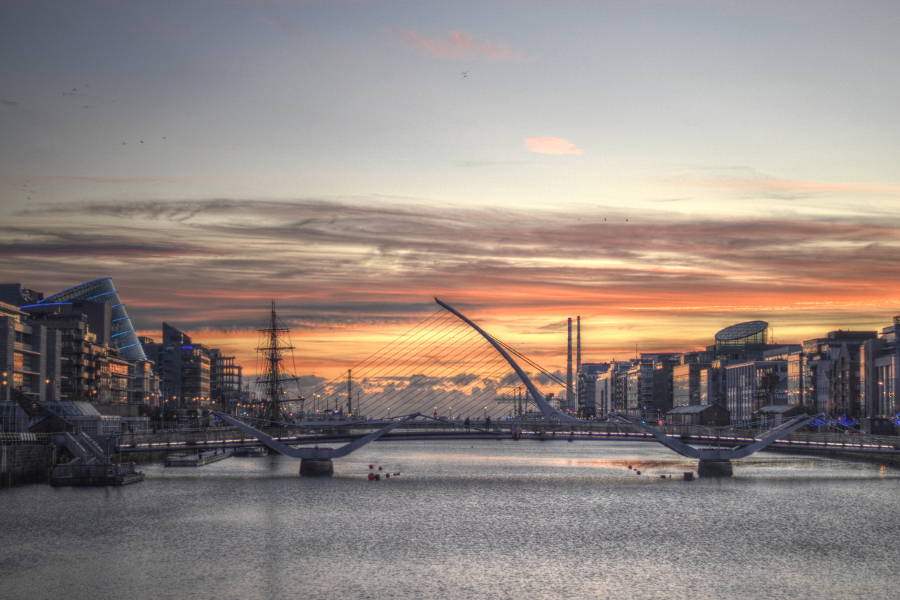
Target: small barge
<point x="95" y="474"/>
<point x="199" y="459"/>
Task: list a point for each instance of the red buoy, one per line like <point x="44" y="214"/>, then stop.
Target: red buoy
<point x="638" y="472"/>
<point x="379" y="468"/>
<point x="387" y="475"/>
<point x="629" y="466"/>
<point x="371" y="476"/>
<point x="371" y="466"/>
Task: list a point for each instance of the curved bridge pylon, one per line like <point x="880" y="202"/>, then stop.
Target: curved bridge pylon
<point x="318" y="461"/>
<point x="547" y="411"/>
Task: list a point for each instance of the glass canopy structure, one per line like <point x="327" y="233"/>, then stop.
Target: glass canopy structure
<point x="122" y="334"/>
<point x="742" y="335"/>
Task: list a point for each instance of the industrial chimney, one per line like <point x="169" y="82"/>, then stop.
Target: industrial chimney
<point x="569" y="397"/>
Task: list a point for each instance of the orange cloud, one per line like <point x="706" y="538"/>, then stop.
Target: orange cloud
<point x="349" y="278"/>
<point x="460" y="45"/>
<point x="551" y="145"/>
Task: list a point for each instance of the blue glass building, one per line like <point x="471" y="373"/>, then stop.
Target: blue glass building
<point x="122" y="334"/>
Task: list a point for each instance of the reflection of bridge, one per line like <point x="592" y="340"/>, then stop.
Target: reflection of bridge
<point x="450" y="349"/>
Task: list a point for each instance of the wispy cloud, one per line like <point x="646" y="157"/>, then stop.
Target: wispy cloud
<point x="551" y="145"/>
<point x="459" y="44"/>
<point x="72" y="180"/>
<point x="347" y="276"/>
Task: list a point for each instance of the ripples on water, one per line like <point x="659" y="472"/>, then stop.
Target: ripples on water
<point x="484" y="520"/>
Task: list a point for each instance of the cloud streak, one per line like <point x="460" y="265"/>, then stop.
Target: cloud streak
<point x="752" y="180"/>
<point x="460" y="45"/>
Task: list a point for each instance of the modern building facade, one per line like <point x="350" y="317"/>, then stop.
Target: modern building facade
<point x="183" y="367"/>
<point x="122" y="335"/>
<point x="686" y="388"/>
<point x="225" y="380"/>
<point x="588" y="374"/>
<point x="29" y="357"/>
<point x="29" y="363"/>
<point x="880" y="374"/>
<point x="822" y="370"/>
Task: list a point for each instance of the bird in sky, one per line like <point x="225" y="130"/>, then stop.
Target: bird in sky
<point x="465" y="73"/>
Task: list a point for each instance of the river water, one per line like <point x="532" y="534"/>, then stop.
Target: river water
<point x="493" y="519"/>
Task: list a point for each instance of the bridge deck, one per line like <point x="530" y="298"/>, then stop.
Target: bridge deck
<point x="227" y="437"/>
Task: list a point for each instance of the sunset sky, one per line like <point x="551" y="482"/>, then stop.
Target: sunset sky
<point x="663" y="168"/>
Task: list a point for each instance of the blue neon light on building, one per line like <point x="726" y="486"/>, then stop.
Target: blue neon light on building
<point x="123" y="336"/>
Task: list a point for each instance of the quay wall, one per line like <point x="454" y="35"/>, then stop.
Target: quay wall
<point x="26" y="464"/>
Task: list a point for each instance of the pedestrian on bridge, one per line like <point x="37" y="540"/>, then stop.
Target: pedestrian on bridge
<point x="467" y="423"/>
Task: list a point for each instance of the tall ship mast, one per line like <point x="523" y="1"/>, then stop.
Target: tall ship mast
<point x="274" y="343"/>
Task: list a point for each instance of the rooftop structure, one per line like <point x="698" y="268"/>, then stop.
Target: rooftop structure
<point x="741" y="335"/>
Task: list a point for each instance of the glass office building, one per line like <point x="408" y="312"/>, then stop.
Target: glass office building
<point x="122" y="334"/>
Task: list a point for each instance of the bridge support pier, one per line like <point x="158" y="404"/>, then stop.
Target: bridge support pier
<point x="316" y="467"/>
<point x="714" y="468"/>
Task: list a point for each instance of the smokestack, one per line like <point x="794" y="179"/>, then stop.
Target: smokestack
<point x="578" y="354"/>
<point x="578" y="360"/>
<point x="569" y="368"/>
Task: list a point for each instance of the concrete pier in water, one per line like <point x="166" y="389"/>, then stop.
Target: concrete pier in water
<point x="714" y="468"/>
<point x="316" y="467"/>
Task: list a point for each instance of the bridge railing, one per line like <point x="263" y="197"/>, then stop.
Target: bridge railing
<point x="187" y="438"/>
<point x="799" y="437"/>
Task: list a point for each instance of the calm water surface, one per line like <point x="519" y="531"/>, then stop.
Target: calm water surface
<point x="484" y="520"/>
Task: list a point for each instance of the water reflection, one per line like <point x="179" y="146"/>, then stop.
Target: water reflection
<point x="497" y="519"/>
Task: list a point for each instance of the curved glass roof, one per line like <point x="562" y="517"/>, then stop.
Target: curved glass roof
<point x="122" y="334"/>
<point x="741" y="330"/>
